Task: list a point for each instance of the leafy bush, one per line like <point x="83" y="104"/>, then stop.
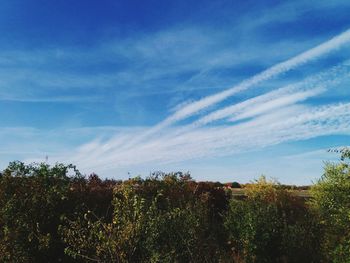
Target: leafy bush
<point x="35" y="199"/>
<point x="331" y="199"/>
<point x="165" y="218"/>
<point x="32" y="200"/>
<point x="235" y="185"/>
<point x="271" y="225"/>
<point x="53" y="214"/>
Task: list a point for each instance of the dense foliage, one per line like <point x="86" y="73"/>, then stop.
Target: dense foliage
<point x="272" y="225"/>
<point x="331" y="199"/>
<point x="54" y="214"/>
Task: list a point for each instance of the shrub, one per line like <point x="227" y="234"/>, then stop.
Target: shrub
<point x="331" y="199"/>
<point x="271" y="225"/>
<point x="32" y="200"/>
<point x="164" y="218"/>
<point x="235" y="185"/>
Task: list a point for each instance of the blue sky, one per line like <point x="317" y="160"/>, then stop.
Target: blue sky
<point x="227" y="90"/>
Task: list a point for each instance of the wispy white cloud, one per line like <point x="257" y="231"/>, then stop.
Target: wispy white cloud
<point x="283" y="101"/>
<point x="269" y="73"/>
<point x="193" y="108"/>
<point x="288" y="124"/>
<point x="151" y="64"/>
<point x="319" y="83"/>
<point x="271" y="118"/>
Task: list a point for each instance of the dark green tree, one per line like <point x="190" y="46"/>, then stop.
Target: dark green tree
<point x="33" y="198"/>
<point x="331" y="199"/>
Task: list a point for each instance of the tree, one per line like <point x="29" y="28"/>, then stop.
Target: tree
<point x="33" y="198"/>
<point x="331" y="199"/>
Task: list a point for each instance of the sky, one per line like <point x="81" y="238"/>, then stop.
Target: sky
<point x="226" y="90"/>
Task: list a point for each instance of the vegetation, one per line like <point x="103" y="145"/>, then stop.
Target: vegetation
<point x="272" y="225"/>
<point x="331" y="199"/>
<point x="54" y="214"/>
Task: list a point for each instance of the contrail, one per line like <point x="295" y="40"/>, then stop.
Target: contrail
<point x="277" y="103"/>
<point x="317" y="83"/>
<point x="274" y="71"/>
<point x="269" y="129"/>
<point x="269" y="73"/>
<point x="321" y="80"/>
<point x="193" y="108"/>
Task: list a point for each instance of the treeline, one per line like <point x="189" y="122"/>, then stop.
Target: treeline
<point x="54" y="214"/>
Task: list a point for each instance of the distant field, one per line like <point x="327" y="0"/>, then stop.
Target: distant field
<point x="300" y="193"/>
